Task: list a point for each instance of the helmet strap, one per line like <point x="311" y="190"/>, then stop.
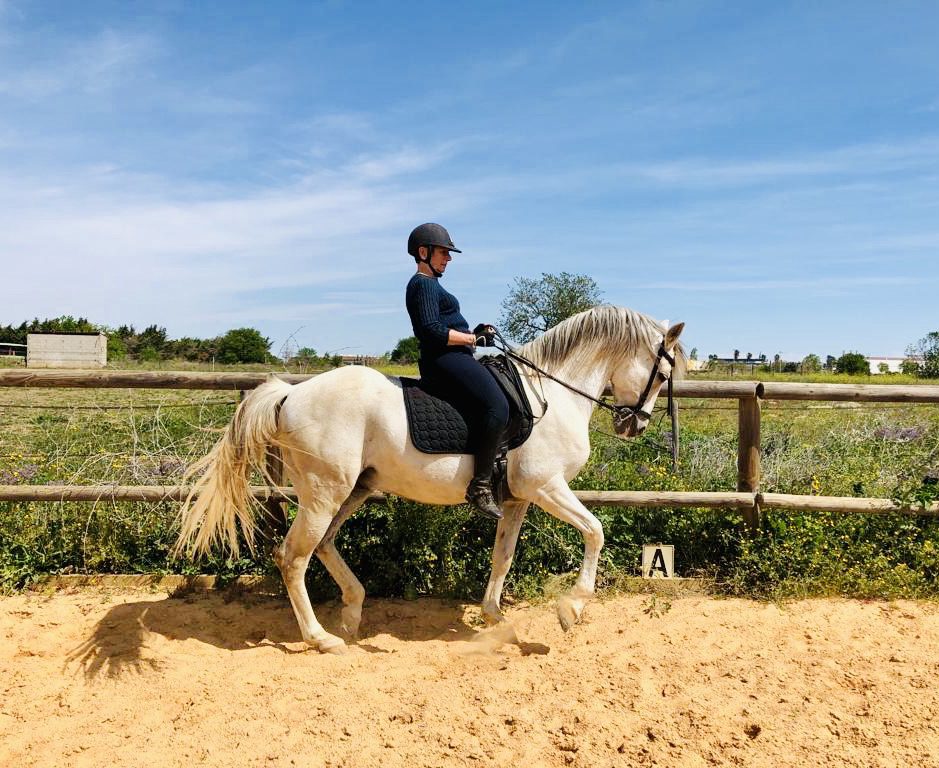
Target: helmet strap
<point x="426" y="260"/>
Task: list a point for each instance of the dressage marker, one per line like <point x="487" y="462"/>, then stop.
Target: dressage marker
<point x="658" y="561"/>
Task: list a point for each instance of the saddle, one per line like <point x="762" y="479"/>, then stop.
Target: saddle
<point x="438" y="426"/>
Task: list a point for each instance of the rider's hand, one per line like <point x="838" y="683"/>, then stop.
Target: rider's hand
<point x="485" y="335"/>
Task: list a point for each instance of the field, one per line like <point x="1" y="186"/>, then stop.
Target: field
<point x="401" y="549"/>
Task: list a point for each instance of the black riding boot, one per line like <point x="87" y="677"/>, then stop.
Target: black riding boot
<point x="479" y="492"/>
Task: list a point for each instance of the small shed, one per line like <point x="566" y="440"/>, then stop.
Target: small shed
<point x="66" y="350"/>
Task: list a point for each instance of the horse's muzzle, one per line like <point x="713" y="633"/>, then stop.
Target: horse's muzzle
<point x="630" y="426"/>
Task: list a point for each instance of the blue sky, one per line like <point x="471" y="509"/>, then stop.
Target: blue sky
<point x="766" y="172"/>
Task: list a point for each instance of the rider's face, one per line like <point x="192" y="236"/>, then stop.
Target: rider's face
<point x="440" y="258"/>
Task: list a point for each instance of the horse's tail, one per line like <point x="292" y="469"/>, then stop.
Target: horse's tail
<point x="221" y="500"/>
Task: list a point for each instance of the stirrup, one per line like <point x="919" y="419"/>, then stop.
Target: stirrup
<point x="479" y="494"/>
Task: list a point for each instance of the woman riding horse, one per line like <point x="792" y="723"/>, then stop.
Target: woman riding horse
<point x="447" y="364"/>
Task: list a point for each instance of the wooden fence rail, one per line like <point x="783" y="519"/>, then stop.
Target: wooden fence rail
<point x="749" y="395"/>
<point x="645" y="499"/>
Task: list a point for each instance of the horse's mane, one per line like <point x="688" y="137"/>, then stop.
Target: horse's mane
<point x="597" y="335"/>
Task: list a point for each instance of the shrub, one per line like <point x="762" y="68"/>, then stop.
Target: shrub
<point x="853" y="364"/>
<point x="243" y="345"/>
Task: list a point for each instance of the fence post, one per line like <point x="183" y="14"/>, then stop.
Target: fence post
<point x="748" y="455"/>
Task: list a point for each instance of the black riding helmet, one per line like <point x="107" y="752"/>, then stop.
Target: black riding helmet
<point x="430" y="235"/>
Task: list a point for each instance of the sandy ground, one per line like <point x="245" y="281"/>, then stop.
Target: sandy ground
<point x="139" y="679"/>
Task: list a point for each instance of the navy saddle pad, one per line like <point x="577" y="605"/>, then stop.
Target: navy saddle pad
<point x="437" y="426"/>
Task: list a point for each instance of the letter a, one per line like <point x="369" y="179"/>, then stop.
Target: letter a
<point x="658" y="564"/>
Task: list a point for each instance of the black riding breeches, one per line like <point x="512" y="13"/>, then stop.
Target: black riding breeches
<point x="461" y="379"/>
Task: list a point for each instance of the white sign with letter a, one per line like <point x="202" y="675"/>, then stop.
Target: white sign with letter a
<point x="658" y="561"/>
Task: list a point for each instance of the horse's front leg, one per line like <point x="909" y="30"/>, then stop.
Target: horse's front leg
<point x="556" y="498"/>
<point x="502" y="552"/>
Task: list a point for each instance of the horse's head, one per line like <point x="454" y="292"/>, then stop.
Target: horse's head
<point x="636" y="383"/>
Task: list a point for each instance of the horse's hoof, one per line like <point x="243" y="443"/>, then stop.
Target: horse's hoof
<point x="568" y="615"/>
<point x="351" y="618"/>
<point x="331" y="644"/>
<point x="492" y="619"/>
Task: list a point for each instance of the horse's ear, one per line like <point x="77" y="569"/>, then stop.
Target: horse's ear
<point x="671" y="336"/>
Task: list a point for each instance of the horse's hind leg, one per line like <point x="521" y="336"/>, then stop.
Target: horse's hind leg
<point x="353" y="593"/>
<point x="293" y="557"/>
<point x="350" y="506"/>
<point x="502" y="552"/>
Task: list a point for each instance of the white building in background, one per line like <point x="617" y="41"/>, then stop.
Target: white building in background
<point x="893" y="363"/>
<point x="66" y="350"/>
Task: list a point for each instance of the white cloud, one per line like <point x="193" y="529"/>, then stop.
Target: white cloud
<point x="121" y="248"/>
<point x="854" y="161"/>
<point x="102" y="63"/>
<point x="813" y="285"/>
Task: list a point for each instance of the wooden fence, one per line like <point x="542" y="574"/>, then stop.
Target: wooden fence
<point x="749" y="396"/>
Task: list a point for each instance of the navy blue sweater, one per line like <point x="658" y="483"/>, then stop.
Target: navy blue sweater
<point x="433" y="311"/>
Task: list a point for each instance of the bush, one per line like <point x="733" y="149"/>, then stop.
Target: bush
<point x="927" y="349"/>
<point x="406" y="351"/>
<point x="853" y="364"/>
<point x="243" y="345"/>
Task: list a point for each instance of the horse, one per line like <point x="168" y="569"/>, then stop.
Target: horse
<point x="344" y="434"/>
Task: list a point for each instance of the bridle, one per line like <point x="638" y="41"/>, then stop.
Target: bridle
<point x="622" y="413"/>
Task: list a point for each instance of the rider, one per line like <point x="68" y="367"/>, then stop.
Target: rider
<point x="446" y="360"/>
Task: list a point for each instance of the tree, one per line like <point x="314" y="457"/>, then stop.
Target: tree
<point x="853" y="364"/>
<point x="406" y="351"/>
<point x="926" y="348"/>
<point x="811" y="364"/>
<point x="117" y="350"/>
<point x="243" y="345"/>
<point x="190" y="348"/>
<point x="152" y="337"/>
<point x="534" y="306"/>
<point x="909" y="367"/>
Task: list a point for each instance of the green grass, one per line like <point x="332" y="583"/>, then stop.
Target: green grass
<point x="401" y="548"/>
<point x="822" y="377"/>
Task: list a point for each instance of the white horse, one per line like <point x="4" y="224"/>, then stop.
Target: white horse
<point x="344" y="434"/>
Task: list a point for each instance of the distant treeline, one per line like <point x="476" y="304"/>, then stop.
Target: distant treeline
<point x="239" y="345"/>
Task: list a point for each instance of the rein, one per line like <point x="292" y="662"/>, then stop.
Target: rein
<point x="621" y="413"/>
